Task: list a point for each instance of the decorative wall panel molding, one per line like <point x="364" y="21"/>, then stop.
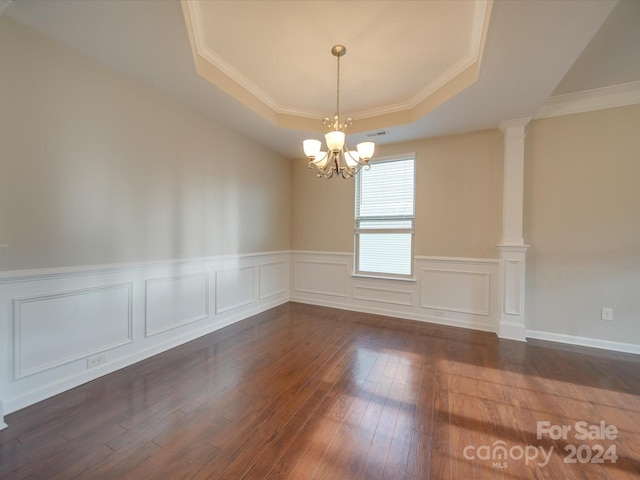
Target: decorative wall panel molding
<point x="274" y="279"/>
<point x="383" y="295"/>
<point x="174" y="301"/>
<point x="512" y="274"/>
<point x="235" y="288"/>
<point x="50" y="321"/>
<point x="455" y="291"/>
<point x="58" y="328"/>
<point x="321" y="277"/>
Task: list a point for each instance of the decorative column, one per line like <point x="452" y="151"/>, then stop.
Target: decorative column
<point x="512" y="247"/>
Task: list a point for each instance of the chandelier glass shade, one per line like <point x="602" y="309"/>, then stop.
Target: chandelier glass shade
<point x="337" y="159"/>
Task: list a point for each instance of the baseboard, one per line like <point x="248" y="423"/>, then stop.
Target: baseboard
<point x="512" y="331"/>
<point x="584" y="341"/>
<point x="3" y="425"/>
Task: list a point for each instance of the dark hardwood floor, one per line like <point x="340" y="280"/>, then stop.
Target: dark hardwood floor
<point x="303" y="392"/>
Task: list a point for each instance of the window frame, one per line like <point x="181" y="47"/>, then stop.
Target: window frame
<point x="410" y="230"/>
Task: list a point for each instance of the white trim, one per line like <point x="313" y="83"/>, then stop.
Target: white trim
<point x="487" y="292"/>
<point x="584" y="341"/>
<point x="242" y="303"/>
<point x="312" y="252"/>
<point x="148" y="332"/>
<point x="195" y="14"/>
<point x="464" y="260"/>
<point x="382" y="277"/>
<point x="450" y="322"/>
<point x="478" y="29"/>
<point x="3" y="425"/>
<point x="19" y="373"/>
<point x="260" y="276"/>
<point x="591" y="100"/>
<point x="72" y="381"/>
<point x="375" y="298"/>
<point x="297" y="288"/>
<point x="512" y="331"/>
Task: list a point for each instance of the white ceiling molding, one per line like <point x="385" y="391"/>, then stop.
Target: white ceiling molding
<point x="480" y="21"/>
<point x="4" y="4"/>
<point x="451" y="81"/>
<point x="590" y="100"/>
<point x="225" y="67"/>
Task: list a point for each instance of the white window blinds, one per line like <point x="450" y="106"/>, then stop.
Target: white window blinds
<point x="385" y="210"/>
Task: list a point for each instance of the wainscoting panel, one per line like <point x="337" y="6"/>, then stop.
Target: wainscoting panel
<point x="274" y="279"/>
<point x="235" y="288"/>
<point x="321" y="277"/>
<point x="455" y="291"/>
<point x="63" y="327"/>
<point x="512" y="274"/>
<point x="175" y="301"/>
<point x="383" y="295"/>
<point x="57" y="328"/>
<point x="461" y="292"/>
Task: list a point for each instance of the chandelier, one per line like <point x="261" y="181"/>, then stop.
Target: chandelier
<point x="338" y="159"/>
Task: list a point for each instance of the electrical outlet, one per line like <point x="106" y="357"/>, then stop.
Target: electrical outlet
<point x="440" y="313"/>
<point x="607" y="313"/>
<point x="97" y="360"/>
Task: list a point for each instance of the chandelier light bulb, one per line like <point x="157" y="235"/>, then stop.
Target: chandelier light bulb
<point x="311" y="147"/>
<point x="365" y="150"/>
<point x="335" y="140"/>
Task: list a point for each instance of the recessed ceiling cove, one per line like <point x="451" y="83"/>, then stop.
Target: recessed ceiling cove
<point x="404" y="58"/>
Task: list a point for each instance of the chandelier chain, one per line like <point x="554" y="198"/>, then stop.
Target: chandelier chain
<point x="338" y="90"/>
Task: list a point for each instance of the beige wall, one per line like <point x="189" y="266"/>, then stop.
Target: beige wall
<point x="582" y="220"/>
<point x="458" y="199"/>
<point x="96" y="168"/>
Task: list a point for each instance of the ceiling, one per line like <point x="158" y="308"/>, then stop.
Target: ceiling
<point x="414" y="69"/>
<point x="429" y="52"/>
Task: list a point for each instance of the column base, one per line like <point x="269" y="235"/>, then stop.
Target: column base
<point x="512" y="331"/>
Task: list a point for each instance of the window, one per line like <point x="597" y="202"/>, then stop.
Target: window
<point x="385" y="212"/>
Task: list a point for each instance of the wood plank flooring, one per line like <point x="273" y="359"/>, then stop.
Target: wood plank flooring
<point x="307" y="392"/>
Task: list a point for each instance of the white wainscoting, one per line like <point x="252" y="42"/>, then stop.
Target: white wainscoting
<point x="53" y="320"/>
<point x="461" y="292"/>
<point x="274" y="279"/>
<point x="175" y="301"/>
<point x="235" y="287"/>
<point x="320" y="276"/>
<point x="57" y="328"/>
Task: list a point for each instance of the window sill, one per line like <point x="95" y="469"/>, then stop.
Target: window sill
<point x="382" y="277"/>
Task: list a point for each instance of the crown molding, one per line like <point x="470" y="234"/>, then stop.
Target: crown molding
<point x="590" y="100"/>
<point x="4" y="4"/>
<point x="224" y="75"/>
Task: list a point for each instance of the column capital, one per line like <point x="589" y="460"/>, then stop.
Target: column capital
<point x="515" y="248"/>
<point x="514" y="128"/>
